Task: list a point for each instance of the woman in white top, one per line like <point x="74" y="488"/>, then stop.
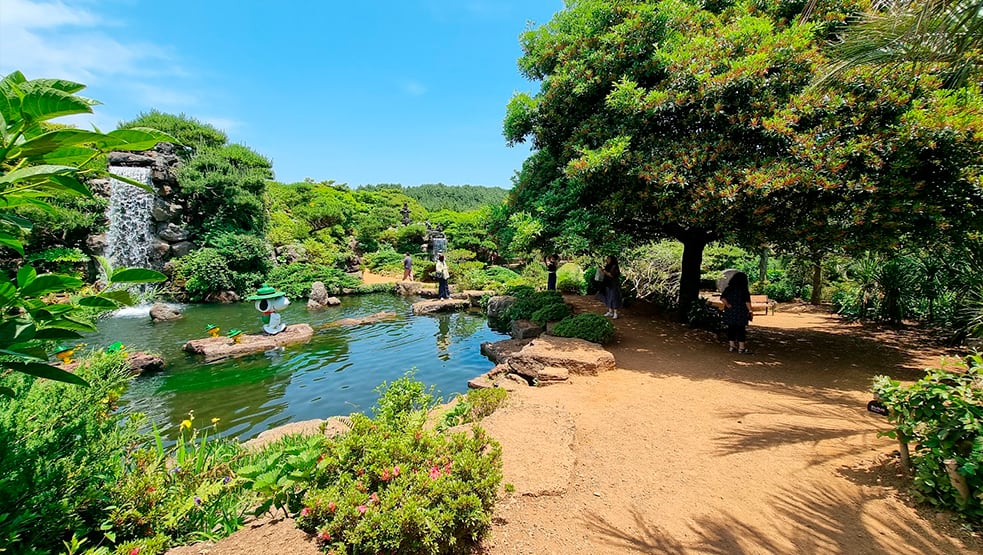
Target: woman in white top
<point x="443" y="291"/>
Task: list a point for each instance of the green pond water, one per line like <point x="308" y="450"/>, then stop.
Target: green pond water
<point x="336" y="373"/>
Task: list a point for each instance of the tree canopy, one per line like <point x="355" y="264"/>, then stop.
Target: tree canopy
<point x="668" y="119"/>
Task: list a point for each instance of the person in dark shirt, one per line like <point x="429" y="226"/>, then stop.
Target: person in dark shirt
<point x="551" y="272"/>
<point x="736" y="299"/>
<point x="612" y="287"/>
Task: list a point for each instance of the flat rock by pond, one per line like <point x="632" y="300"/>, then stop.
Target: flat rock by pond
<point x="500" y="351"/>
<point x="542" y="361"/>
<point x="218" y="348"/>
<point x="441" y="305"/>
<point x="370" y="319"/>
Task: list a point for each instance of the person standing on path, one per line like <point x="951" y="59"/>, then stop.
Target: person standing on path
<point x="408" y="267"/>
<point x="551" y="272"/>
<point x="736" y="298"/>
<point x="442" y="274"/>
<point x="612" y="286"/>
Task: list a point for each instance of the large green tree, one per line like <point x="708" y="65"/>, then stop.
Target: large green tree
<point x="650" y="117"/>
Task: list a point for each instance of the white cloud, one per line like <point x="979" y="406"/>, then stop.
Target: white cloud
<point x="223" y="124"/>
<point x="59" y="39"/>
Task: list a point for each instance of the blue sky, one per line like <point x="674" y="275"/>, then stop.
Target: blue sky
<point x="404" y="92"/>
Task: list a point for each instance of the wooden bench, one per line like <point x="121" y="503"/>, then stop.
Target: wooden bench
<point x="759" y="303"/>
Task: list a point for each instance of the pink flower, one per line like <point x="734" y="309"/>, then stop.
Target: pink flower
<point x="374" y="498"/>
<point x="324" y="537"/>
<point x="385" y="475"/>
<point x="135" y="551"/>
<point x="332" y="507"/>
<point x="362" y="509"/>
<point x="305" y="511"/>
<point x="435" y="472"/>
<point x="395" y="471"/>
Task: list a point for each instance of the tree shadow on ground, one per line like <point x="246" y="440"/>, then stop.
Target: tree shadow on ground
<point x="650" y="539"/>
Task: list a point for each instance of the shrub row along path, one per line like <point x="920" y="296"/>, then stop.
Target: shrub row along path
<point x="686" y="448"/>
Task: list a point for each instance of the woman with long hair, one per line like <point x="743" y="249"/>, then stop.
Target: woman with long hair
<point x="612" y="286"/>
<point x="736" y="298"/>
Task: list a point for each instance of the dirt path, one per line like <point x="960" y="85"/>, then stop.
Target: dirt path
<point x="686" y="448"/>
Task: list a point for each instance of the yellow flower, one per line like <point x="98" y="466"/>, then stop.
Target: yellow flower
<point x="185" y="424"/>
<point x="215" y="420"/>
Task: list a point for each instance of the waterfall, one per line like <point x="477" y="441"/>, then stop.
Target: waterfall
<point x="130" y="236"/>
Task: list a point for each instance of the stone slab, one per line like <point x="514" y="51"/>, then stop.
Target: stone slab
<point x="576" y="355"/>
<point x="445" y="305"/>
<point x="218" y="348"/>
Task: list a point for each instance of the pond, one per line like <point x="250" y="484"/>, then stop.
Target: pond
<point x="336" y="373"/>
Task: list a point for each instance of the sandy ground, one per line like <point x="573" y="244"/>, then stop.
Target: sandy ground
<point x="686" y="448"/>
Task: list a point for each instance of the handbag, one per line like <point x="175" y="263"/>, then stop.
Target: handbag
<point x="599" y="275"/>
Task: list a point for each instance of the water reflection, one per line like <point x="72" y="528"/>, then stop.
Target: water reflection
<point x="335" y="373"/>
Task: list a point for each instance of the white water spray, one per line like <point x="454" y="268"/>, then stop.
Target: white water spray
<point x="130" y="236"/>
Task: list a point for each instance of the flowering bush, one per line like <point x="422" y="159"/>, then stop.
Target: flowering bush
<point x="389" y="486"/>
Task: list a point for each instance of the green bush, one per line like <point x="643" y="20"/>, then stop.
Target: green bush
<point x="782" y="291"/>
<point x="942" y="416"/>
<point x="551" y="313"/>
<point x="295" y="279"/>
<point x="205" y="271"/>
<point x="473" y="406"/>
<point x="528" y="301"/>
<point x="570" y="279"/>
<point x="61" y="446"/>
<point x="384" y="261"/>
<point x="390" y="486"/>
<point x="592" y="327"/>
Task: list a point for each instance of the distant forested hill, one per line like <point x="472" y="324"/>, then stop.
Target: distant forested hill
<point x="459" y="198"/>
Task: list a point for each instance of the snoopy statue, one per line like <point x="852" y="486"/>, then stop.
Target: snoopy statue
<point x="270" y="302"/>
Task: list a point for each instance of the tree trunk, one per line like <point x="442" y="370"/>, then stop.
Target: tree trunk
<point x="817" y="281"/>
<point x="763" y="265"/>
<point x="689" y="279"/>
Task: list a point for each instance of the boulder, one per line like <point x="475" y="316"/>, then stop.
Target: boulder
<point x="218" y="348"/>
<point x="525" y="329"/>
<point x="318" y="297"/>
<point x="577" y="356"/>
<point x="161" y="312"/>
<point x="182" y="248"/>
<point x="142" y="363"/>
<point x="370" y="319"/>
<point x="427" y="292"/>
<point x="159" y="249"/>
<point x="475" y="296"/>
<point x="97" y="243"/>
<point x="100" y="187"/>
<point x="164" y="211"/>
<point x="116" y="158"/>
<point x="498" y="305"/>
<point x="173" y="233"/>
<point x="500" y="351"/>
<point x="408" y="288"/>
<point x="334" y="301"/>
<point x="441" y="305"/>
<point x="222" y="297"/>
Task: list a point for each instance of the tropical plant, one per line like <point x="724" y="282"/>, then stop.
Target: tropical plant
<point x="906" y="36"/>
<point x="36" y="163"/>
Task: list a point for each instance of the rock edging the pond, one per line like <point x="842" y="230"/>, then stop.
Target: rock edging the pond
<point x="542" y="361"/>
<point x="218" y="348"/>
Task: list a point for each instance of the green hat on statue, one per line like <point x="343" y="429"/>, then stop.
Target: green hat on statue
<point x="265" y="292"/>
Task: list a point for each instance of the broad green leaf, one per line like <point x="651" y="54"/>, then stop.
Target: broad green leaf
<point x="25" y="276"/>
<point x="107" y="268"/>
<point x="67" y="183"/>
<point x="36" y="173"/>
<point x="98" y="302"/>
<point x="67" y="156"/>
<point x="9" y="105"/>
<point x="46" y="371"/>
<point x="121" y="297"/>
<point x="57" y="334"/>
<point x="137" y="275"/>
<point x="62" y="85"/>
<point x="7" y="293"/>
<point x="23" y="224"/>
<point x="139" y="138"/>
<point x="16" y="330"/>
<point x="52" y="140"/>
<point x="10" y="242"/>
<point x="70" y="324"/>
<point x="29" y="351"/>
<point x="52" y="310"/>
<point x="46" y="104"/>
<point x="50" y="283"/>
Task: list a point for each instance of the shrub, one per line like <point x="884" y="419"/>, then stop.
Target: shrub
<point x="473" y="406"/>
<point x="592" y="327"/>
<point x="941" y="415"/>
<point x="704" y="315"/>
<point x="782" y="291"/>
<point x="390" y="486"/>
<point x="295" y="279"/>
<point x="204" y="271"/>
<point x="551" y="313"/>
<point x="570" y="279"/>
<point x="61" y="446"/>
<point x="528" y="301"/>
<point x="385" y="260"/>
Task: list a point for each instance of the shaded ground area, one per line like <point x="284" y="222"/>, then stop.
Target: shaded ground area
<point x="686" y="448"/>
